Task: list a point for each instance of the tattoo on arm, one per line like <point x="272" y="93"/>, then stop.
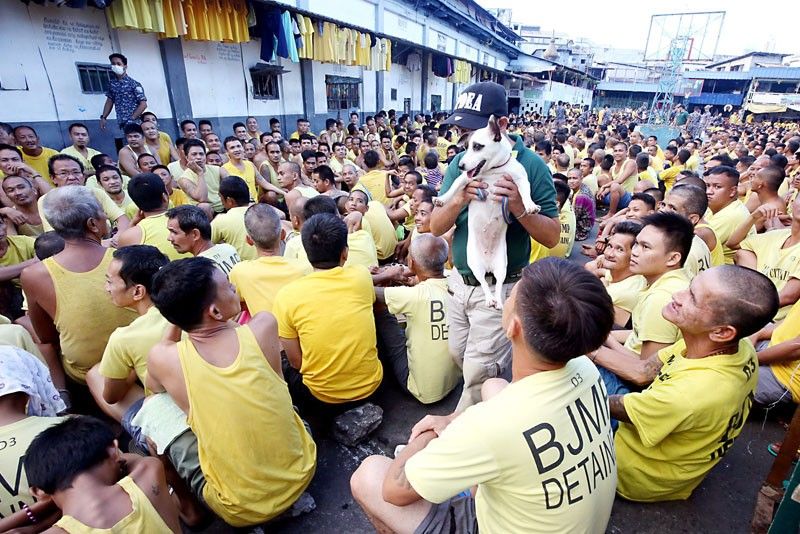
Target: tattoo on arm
<point x="155" y="490"/>
<point x="651" y="368"/>
<point x="617" y="408"/>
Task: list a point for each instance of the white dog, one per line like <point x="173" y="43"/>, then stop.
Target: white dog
<point x="489" y="157"/>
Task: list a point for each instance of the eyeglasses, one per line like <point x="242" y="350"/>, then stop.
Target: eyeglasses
<point x="64" y="174"/>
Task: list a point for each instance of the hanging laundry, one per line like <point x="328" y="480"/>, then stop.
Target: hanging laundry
<point x="174" y="19"/>
<point x="287" y="37"/>
<point x="306" y="26"/>
<point x="388" y="52"/>
<point x="439" y="66"/>
<point x="298" y="36"/>
<point x="268" y="21"/>
<point x="414" y="62"/>
<point x="144" y="15"/>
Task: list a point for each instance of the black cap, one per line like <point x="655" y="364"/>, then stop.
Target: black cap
<point x="477" y="103"/>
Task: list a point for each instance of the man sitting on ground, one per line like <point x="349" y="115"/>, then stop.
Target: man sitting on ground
<point x="65" y="292"/>
<point x="700" y="389"/>
<point x="229" y="227"/>
<point x="727" y="211"/>
<point x="128" y="283"/>
<point x="420" y="357"/>
<point x="254" y="453"/>
<point x="95" y="486"/>
<point x="190" y="231"/>
<point x="691" y="202"/>
<point x="556" y="313"/>
<point x="775" y="254"/>
<point x="149" y="194"/>
<point x="257" y="281"/>
<point x="658" y="254"/>
<point x="333" y="364"/>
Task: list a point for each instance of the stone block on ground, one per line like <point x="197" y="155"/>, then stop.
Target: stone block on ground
<point x="354" y="426"/>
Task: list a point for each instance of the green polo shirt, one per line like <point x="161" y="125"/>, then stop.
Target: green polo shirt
<point x="518" y="241"/>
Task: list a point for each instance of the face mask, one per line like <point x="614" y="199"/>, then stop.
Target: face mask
<point x="119" y="70"/>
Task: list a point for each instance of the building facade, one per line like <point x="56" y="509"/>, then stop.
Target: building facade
<point x="59" y="67"/>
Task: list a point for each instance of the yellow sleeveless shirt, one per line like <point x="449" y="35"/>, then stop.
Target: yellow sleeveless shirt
<point x="155" y="233"/>
<point x="143" y="518"/>
<point x="630" y="182"/>
<point x="254" y="450"/>
<point x="717" y="255"/>
<point x="85" y="316"/>
<point x="248" y="175"/>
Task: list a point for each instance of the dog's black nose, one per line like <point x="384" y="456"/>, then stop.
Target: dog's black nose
<point x="461" y="166"/>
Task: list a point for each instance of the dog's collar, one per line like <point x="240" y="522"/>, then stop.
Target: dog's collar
<point x="503" y="164"/>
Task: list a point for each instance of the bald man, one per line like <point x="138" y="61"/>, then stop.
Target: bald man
<point x="420" y="357"/>
<point x="290" y="180"/>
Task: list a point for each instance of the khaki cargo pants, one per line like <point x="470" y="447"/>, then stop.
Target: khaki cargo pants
<point x="478" y="343"/>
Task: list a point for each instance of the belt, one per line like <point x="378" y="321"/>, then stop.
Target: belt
<point x="472" y="281"/>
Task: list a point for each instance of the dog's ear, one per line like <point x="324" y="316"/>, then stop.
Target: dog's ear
<point x="494" y="127"/>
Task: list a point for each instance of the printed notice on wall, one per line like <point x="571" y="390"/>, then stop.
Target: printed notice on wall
<point x="229" y="52"/>
<point x="65" y="35"/>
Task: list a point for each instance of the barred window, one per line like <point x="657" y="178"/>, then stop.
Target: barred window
<point x="265" y="83"/>
<point x="94" y="78"/>
<point x="343" y="92"/>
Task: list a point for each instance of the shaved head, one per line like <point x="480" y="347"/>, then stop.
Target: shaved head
<point x="429" y="253"/>
<point x="296" y="208"/>
<point x="263" y="226"/>
<point x="747" y="299"/>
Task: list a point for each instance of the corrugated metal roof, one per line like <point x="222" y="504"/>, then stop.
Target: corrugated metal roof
<point x="784" y="73"/>
<point x="628" y="86"/>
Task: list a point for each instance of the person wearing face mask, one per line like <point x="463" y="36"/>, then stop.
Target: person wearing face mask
<point x="124" y="93"/>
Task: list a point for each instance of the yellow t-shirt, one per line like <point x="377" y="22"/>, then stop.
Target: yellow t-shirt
<point x="777" y="263"/>
<point x="668" y="175"/>
<point x="85" y="317"/>
<point x="20" y="249"/>
<point x="377" y="222"/>
<point x="178" y="198"/>
<point x="112" y="211"/>
<point x="340" y="359"/>
<point x="361" y="249"/>
<point x="684" y="422"/>
<point x="519" y="446"/>
<point x="787" y="372"/>
<point x="693" y="162"/>
<point x="87" y="161"/>
<point x="258" y="281"/>
<point x="251" y="477"/>
<point x="725" y="222"/>
<point x="441" y="148"/>
<point x="432" y="373"/>
<point x="248" y="175"/>
<point x="17" y="436"/>
<point x="648" y="323"/>
<point x="717" y="255"/>
<point x="155" y="233"/>
<point x="128" y="347"/>
<point x="375" y="184"/>
<point x="229" y="228"/>
<point x="294" y="251"/>
<point x="699" y="258"/>
<point x="337" y="167"/>
<point x="39" y="163"/>
<point x="625" y="293"/>
<point x="212" y="184"/>
<point x="591" y="182"/>
<point x="566" y="239"/>
<point x="224" y="255"/>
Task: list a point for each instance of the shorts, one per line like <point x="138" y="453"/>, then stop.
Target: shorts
<point x="454" y="515"/>
<point x="769" y="390"/>
<point x="134" y="431"/>
<point x="624" y="200"/>
<point x="183" y="455"/>
<point x="614" y="386"/>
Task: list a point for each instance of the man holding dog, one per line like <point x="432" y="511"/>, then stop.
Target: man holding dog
<point x="477" y="340"/>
